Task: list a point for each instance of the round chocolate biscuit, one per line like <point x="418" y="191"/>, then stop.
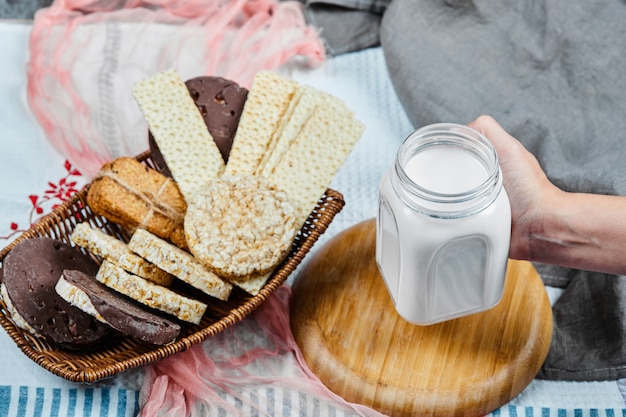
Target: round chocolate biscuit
<point x="157" y="157"/>
<point x="220" y="102"/>
<point x="115" y="309"/>
<point x="30" y="272"/>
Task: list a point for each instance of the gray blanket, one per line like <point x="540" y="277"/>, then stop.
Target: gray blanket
<point x="346" y="25"/>
<point x="553" y="73"/>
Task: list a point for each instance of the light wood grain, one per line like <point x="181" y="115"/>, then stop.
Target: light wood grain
<point x="352" y="338"/>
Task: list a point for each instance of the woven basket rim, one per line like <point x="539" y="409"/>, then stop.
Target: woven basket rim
<point x="79" y="366"/>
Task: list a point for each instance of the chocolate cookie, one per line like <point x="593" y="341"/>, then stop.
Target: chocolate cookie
<point x="30" y="272"/>
<point x="220" y="102"/>
<point x="122" y="314"/>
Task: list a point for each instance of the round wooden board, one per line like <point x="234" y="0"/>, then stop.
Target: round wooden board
<point x="353" y="339"/>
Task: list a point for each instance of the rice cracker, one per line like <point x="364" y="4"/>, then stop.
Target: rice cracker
<point x="177" y="126"/>
<point x="240" y="226"/>
<point x="150" y="294"/>
<point x="118" y="252"/>
<point x="268" y="102"/>
<point x="178" y="263"/>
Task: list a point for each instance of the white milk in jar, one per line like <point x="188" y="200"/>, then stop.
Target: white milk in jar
<point x="444" y="225"/>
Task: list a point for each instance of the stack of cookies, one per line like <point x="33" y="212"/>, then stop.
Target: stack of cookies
<point x="236" y="175"/>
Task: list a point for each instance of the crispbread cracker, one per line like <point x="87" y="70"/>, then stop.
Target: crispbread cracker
<point x="251" y="285"/>
<point x="240" y="226"/>
<point x="303" y="105"/>
<point x="152" y="295"/>
<point x="179" y="131"/>
<point x="310" y="164"/>
<point x="178" y="263"/>
<point x="268" y="101"/>
<point x="118" y="252"/>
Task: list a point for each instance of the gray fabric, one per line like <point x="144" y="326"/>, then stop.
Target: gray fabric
<point x="552" y="72"/>
<point x="21" y="9"/>
<point x="589" y="336"/>
<point x="346" y="25"/>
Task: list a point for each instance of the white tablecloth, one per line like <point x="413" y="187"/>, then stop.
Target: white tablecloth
<point x="35" y="177"/>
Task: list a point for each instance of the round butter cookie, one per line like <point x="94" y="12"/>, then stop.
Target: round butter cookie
<point x="240" y="226"/>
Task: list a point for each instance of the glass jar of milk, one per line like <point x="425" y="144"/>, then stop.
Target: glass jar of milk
<point x="444" y="225"/>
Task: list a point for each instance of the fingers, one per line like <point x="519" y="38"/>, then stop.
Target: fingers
<point x="496" y="134"/>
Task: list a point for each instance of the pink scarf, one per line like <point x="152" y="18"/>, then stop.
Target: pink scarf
<point x="252" y="368"/>
<point x="85" y="56"/>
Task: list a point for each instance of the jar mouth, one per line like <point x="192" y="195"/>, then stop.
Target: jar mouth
<point x="449" y="204"/>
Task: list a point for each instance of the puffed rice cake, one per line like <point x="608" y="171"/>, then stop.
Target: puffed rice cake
<point x="240" y="226"/>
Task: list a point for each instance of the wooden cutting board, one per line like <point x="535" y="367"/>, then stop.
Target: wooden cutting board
<point x="352" y="338"/>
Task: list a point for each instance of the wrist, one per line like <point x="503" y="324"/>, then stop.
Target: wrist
<point x="547" y="234"/>
<point x="535" y="227"/>
<point x="569" y="233"/>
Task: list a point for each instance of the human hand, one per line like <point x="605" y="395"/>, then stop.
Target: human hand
<point x="576" y="230"/>
<point x="529" y="190"/>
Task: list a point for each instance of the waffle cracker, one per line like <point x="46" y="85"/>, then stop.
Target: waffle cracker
<point x="302" y="107"/>
<point x="179" y="131"/>
<point x="251" y="285"/>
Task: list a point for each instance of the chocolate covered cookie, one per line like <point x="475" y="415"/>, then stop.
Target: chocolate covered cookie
<point x="30" y="272"/>
<point x="114" y="309"/>
<point x="220" y="102"/>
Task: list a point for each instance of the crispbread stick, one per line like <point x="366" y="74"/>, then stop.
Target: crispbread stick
<point x="312" y="161"/>
<point x="268" y="101"/>
<point x="179" y="131"/>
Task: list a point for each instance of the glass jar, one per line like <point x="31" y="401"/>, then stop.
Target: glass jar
<point x="443" y="226"/>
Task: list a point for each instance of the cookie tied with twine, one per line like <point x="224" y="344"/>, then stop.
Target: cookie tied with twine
<point x="136" y="196"/>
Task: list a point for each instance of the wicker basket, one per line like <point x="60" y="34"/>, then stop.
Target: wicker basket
<point x="118" y="353"/>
